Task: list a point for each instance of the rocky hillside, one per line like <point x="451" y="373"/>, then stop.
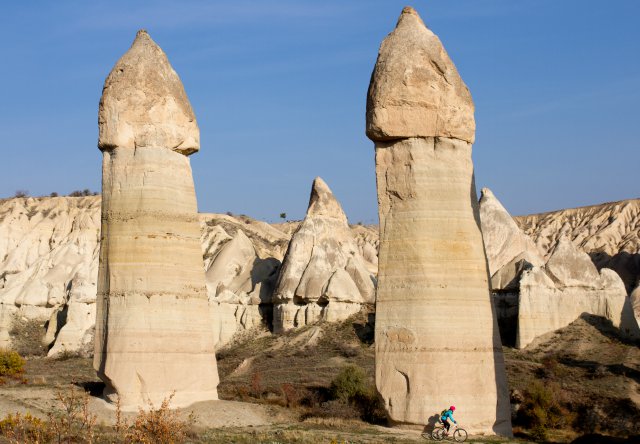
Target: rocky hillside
<point x="609" y="233"/>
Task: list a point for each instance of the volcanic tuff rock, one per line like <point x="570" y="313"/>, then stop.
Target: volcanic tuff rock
<point x="50" y="250"/>
<point x="323" y="275"/>
<point x="553" y="296"/>
<point x="433" y="310"/>
<point x="240" y="285"/>
<point x="609" y="233"/>
<point x="508" y="249"/>
<point x="635" y="304"/>
<point x="154" y="335"/>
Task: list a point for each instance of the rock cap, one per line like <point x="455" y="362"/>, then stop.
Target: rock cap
<point x="144" y="104"/>
<point x="415" y="89"/>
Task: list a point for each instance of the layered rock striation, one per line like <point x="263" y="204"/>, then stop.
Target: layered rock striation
<point x="434" y="318"/>
<point x="154" y="334"/>
<point x="323" y="276"/>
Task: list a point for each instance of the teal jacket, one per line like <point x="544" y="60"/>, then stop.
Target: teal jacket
<point x="448" y="415"/>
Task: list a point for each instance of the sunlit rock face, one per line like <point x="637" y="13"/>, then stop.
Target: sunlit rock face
<point x="437" y="340"/>
<point x="153" y="331"/>
<point x="49" y="260"/>
<point x="567" y="286"/>
<point x="323" y="276"/>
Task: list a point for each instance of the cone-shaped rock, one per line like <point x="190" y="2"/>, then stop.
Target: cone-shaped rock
<point x="437" y="340"/>
<point x="507" y="247"/>
<point x="153" y="330"/>
<point x="323" y="274"/>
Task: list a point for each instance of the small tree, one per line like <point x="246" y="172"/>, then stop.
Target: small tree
<point x="22" y="193"/>
<point x="283" y="216"/>
<point x="54" y="194"/>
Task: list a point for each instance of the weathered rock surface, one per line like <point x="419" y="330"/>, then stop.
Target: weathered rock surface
<point x="635" y="304"/>
<point x="569" y="285"/>
<point x="153" y="333"/>
<point x="434" y="319"/>
<point x="509" y="250"/>
<point x="323" y="276"/>
<point x="240" y="285"/>
<point x="399" y="105"/>
<point x="609" y="233"/>
<point x="50" y="250"/>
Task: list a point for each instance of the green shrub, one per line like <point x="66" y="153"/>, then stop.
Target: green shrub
<point x="11" y="363"/>
<point x="351" y="386"/>
<point x="541" y="410"/>
<point x="349" y="383"/>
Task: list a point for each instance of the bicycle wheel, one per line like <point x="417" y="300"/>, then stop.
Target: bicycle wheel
<point x="426" y="435"/>
<point x="460" y="435"/>
<point x="438" y="434"/>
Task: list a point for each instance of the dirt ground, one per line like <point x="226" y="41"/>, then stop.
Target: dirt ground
<point x="589" y="368"/>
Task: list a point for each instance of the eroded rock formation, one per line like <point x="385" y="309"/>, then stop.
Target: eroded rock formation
<point x="568" y="285"/>
<point x="323" y="276"/>
<point x="534" y="296"/>
<point x="609" y="233"/>
<point x="50" y="250"/>
<point x="153" y="331"/>
<point x="635" y="304"/>
<point x="434" y="320"/>
<point x="508" y="249"/>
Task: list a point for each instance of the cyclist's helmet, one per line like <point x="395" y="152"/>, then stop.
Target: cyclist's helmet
<point x="452" y="408"/>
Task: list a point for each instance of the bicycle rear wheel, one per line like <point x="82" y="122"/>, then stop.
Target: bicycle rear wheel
<point x="438" y="434"/>
<point x="460" y="435"/>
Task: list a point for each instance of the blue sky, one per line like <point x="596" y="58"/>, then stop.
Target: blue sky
<point x="279" y="90"/>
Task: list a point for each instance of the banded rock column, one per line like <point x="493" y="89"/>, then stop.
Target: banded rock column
<point x="437" y="341"/>
<point x="153" y="330"/>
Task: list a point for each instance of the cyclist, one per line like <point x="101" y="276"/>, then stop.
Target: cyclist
<point x="446" y="417"/>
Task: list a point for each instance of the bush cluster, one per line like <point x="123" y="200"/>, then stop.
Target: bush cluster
<point x="352" y="386"/>
<point x="542" y="411"/>
<point x="11" y="363"/>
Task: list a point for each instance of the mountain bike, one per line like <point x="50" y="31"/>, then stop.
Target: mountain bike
<point x="438" y="434"/>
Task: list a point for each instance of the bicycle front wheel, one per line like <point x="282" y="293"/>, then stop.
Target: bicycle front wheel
<point x="460" y="435"/>
<point x="438" y="434"/>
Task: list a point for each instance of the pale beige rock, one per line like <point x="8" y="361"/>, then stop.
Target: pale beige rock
<point x="323" y="276"/>
<point x="153" y="334"/>
<point x="238" y="283"/>
<point x="145" y="105"/>
<point x="54" y="243"/>
<point x="76" y="336"/>
<point x="507" y="247"/>
<point x="553" y="296"/>
<point x="49" y="246"/>
<point x="436" y="337"/>
<point x="399" y="105"/>
<point x="635" y="304"/>
<point x="608" y="233"/>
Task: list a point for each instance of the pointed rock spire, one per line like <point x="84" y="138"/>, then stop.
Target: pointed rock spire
<point x="415" y="89"/>
<point x="322" y="202"/>
<point x="144" y="104"/>
<point x="503" y="239"/>
<point x="323" y="274"/>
